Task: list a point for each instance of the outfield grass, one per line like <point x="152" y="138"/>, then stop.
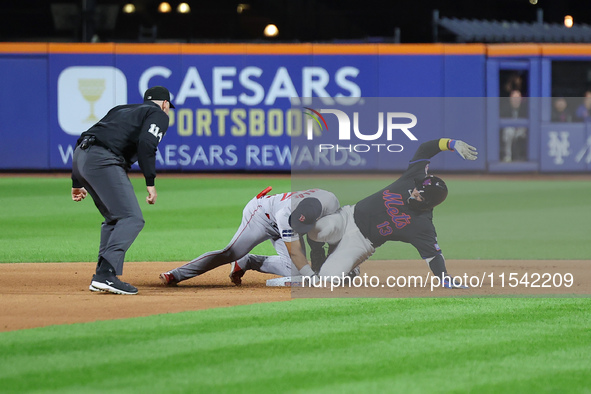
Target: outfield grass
<point x="487" y="345"/>
<point x="321" y="345"/>
<point x="41" y="223"/>
<point x="492" y="218"/>
<point x="481" y="219"/>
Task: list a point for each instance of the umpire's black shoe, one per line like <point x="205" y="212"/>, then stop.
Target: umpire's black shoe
<point x="92" y="288"/>
<point x="110" y="283"/>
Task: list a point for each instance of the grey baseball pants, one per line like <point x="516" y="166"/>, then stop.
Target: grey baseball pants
<point x="103" y="175"/>
<point x="254" y="229"/>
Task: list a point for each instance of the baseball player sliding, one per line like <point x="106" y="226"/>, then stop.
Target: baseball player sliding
<point x="402" y="211"/>
<point x="265" y="217"/>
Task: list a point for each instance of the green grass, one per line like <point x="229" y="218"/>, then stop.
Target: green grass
<point x="322" y="345"/>
<point x="487" y="345"/>
<point x="492" y="219"/>
<point x="481" y="219"/>
<point x="40" y="223"/>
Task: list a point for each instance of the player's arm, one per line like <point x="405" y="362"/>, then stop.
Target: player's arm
<point x="426" y="244"/>
<point x="437" y="266"/>
<point x="298" y="258"/>
<point x="430" y="148"/>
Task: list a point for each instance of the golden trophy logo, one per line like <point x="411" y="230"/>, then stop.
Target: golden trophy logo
<point x="92" y="89"/>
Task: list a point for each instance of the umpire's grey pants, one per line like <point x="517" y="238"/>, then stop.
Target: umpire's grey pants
<point x="103" y="175"/>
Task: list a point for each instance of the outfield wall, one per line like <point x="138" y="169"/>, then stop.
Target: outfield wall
<point x="233" y="109"/>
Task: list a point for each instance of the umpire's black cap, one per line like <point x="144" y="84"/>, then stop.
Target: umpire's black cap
<point x="158" y="93"/>
<point x="303" y="218"/>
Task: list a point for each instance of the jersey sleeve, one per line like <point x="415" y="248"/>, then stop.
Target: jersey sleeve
<point x="430" y="148"/>
<point x="285" y="230"/>
<point x="331" y="205"/>
<point x="426" y="243"/>
<point x="417" y="167"/>
<point x="152" y="130"/>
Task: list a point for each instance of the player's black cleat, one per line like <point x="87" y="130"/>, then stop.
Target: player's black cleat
<point x="110" y="283"/>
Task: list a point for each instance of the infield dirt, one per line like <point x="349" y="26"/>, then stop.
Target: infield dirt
<point x="44" y="294"/>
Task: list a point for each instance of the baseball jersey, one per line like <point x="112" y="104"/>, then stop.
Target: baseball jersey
<point x="133" y="132"/>
<point x="386" y="216"/>
<point x="278" y="207"/>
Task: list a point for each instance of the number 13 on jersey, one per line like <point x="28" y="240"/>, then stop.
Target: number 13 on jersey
<point x="385" y="229"/>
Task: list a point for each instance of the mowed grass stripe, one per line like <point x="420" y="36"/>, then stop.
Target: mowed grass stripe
<point x="327" y="345"/>
<point x="481" y="219"/>
<point x="191" y="216"/>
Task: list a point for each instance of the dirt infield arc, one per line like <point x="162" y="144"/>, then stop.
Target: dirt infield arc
<point x="44" y="294"/>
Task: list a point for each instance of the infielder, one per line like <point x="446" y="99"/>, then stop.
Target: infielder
<point x="306" y="210"/>
<point x="264" y="218"/>
<point x="402" y="211"/>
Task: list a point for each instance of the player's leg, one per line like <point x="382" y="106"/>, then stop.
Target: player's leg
<point x="265" y="264"/>
<point x="277" y="264"/>
<point x="330" y="228"/>
<point x="353" y="249"/>
<point x="252" y="231"/>
<point x="317" y="254"/>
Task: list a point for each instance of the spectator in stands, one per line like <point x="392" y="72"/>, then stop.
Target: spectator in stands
<point x="513" y="138"/>
<point x="515" y="106"/>
<point x="584" y="111"/>
<point x="560" y="111"/>
<point x="513" y="82"/>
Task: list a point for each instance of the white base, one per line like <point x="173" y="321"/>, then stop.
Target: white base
<point x="285" y="281"/>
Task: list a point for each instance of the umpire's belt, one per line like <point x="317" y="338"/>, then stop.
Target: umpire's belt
<point x="91" y="140"/>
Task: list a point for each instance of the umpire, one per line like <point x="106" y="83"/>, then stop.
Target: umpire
<point x="103" y="156"/>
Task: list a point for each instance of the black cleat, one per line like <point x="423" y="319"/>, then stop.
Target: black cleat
<point x="110" y="283"/>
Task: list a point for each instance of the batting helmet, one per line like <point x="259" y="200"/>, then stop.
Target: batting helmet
<point x="432" y="189"/>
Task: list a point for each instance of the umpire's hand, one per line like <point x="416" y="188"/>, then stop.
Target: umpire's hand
<point x="79" y="193"/>
<point x="151" y="199"/>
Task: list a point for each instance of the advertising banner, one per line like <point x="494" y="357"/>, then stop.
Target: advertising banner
<point x="233" y="112"/>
